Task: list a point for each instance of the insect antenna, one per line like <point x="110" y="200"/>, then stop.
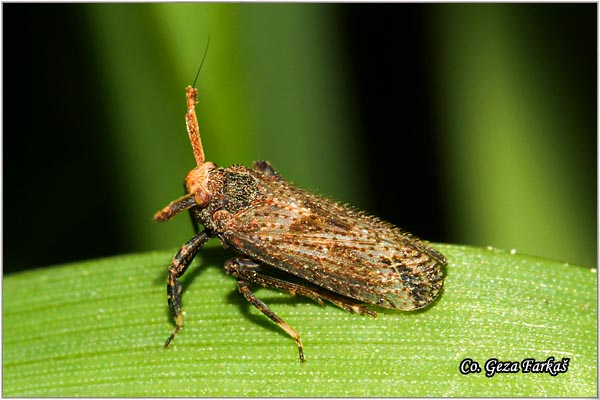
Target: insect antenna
<point x="202" y="62"/>
<point x="191" y="120"/>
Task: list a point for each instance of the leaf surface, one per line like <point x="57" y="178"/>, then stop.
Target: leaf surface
<point x="96" y="328"/>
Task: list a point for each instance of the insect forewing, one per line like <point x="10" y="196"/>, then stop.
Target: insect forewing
<point x="336" y="247"/>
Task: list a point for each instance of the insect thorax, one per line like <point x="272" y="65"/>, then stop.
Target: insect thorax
<point x="233" y="190"/>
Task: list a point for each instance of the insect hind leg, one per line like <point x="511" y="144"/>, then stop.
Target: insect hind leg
<point x="247" y="271"/>
<point x="250" y="271"/>
<point x="244" y="287"/>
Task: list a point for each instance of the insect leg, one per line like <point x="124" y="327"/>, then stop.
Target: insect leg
<point x="175" y="207"/>
<point x="249" y="271"/>
<point x="192" y="214"/>
<point x="245" y="272"/>
<point x="245" y="290"/>
<point x="180" y="263"/>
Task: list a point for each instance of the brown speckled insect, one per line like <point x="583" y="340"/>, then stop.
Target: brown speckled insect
<point x="333" y="252"/>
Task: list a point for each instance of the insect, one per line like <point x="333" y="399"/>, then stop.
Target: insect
<point x="333" y="252"/>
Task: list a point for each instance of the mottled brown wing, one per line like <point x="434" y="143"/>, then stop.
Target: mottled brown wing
<point x="338" y="248"/>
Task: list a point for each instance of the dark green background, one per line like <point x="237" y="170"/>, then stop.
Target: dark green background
<point x="462" y="123"/>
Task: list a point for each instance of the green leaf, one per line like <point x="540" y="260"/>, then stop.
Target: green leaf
<point x="96" y="328"/>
